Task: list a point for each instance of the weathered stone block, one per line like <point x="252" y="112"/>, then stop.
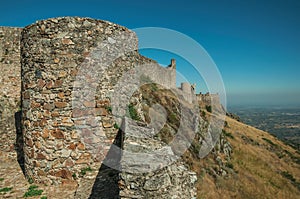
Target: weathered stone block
<point x="57" y="133"/>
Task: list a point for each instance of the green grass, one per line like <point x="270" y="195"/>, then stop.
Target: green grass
<point x="33" y="191"/>
<point x="84" y="170"/>
<point x="133" y="113"/>
<point x="44" y="197"/>
<point x="1" y="179"/>
<point x="5" y="189"/>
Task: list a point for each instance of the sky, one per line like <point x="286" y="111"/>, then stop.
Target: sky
<point x="255" y="44"/>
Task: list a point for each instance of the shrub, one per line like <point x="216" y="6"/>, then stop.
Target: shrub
<point x="32" y="191"/>
<point x="109" y="109"/>
<point x="208" y="108"/>
<point x="269" y="141"/>
<point x="227" y="134"/>
<point x="229" y="165"/>
<point x="5" y="189"/>
<point x="288" y="176"/>
<point x="116" y="126"/>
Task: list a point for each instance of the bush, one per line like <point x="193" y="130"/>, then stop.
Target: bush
<point x="269" y="141"/>
<point x="32" y="191"/>
<point x="208" y="108"/>
<point x="116" y="126"/>
<point x="288" y="176"/>
<point x="227" y="134"/>
<point x="5" y="189"/>
<point x="229" y="165"/>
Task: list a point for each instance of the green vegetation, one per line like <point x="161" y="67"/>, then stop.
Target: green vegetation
<point x="154" y="87"/>
<point x="293" y="157"/>
<point x="84" y="170"/>
<point x="227" y="134"/>
<point x="269" y="141"/>
<point x="1" y="179"/>
<point x="30" y="180"/>
<point x="172" y="118"/>
<point x="226" y="124"/>
<point x="5" y="189"/>
<point x="133" y="113"/>
<point x="291" y="178"/>
<point x="116" y="126"/>
<point x="44" y="197"/>
<point x="109" y="109"/>
<point x="229" y="165"/>
<point x="288" y="176"/>
<point x="208" y="108"/>
<point x="33" y="191"/>
<point x="74" y="176"/>
<point x="203" y="113"/>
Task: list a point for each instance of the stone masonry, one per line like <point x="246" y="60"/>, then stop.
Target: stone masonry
<point x="56" y="65"/>
<point x="10" y="83"/>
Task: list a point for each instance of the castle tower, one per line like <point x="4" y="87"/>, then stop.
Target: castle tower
<point x="60" y="140"/>
<point x="186" y="87"/>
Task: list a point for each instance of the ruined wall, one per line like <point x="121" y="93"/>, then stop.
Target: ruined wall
<point x="213" y="100"/>
<point x="10" y="84"/>
<point x="208" y="100"/>
<point x="150" y="169"/>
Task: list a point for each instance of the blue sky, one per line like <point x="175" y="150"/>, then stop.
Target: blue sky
<point x="255" y="44"/>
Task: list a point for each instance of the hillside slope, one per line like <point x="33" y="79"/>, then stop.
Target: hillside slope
<point x="264" y="167"/>
<point x="245" y="163"/>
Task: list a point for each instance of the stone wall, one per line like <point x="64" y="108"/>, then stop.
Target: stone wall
<point x="150" y="169"/>
<point x="10" y="84"/>
<point x="62" y="62"/>
<point x="65" y="131"/>
<point x="164" y="76"/>
<point x="188" y="92"/>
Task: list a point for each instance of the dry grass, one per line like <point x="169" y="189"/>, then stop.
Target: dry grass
<point x="258" y="167"/>
<point x="263" y="166"/>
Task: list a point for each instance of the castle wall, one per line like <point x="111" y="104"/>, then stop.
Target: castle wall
<point x="10" y="83"/>
<point x="188" y="92"/>
<point x="164" y="76"/>
<point x="64" y="129"/>
<point x="52" y="66"/>
<point x="212" y="100"/>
